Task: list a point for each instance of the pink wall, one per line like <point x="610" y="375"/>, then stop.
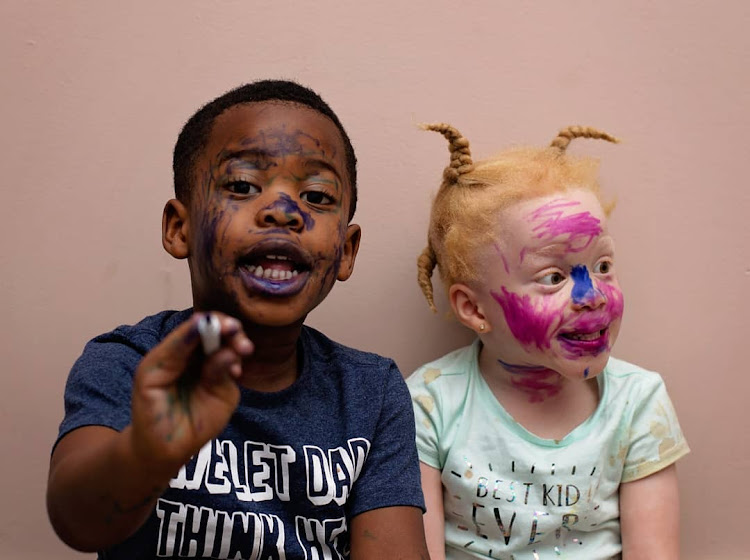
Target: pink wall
<point x="93" y="95"/>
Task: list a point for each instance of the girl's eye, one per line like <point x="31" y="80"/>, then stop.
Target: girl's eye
<point x="602" y="267"/>
<point x="317" y="197"/>
<point x="551" y="279"/>
<point x="242" y="187"/>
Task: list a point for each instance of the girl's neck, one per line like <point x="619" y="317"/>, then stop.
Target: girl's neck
<point x="539" y="399"/>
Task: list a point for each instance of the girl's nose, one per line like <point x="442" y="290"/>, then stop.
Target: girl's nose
<point x="584" y="293"/>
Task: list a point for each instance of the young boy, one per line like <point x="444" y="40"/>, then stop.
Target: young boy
<point x="289" y="446"/>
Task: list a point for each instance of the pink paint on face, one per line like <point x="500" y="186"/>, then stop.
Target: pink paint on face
<point x="539" y="385"/>
<point x="615" y="305"/>
<point x="537" y="382"/>
<point x="594" y="325"/>
<point x="558" y="313"/>
<point x="502" y="256"/>
<point x="527" y="323"/>
<point x="579" y="230"/>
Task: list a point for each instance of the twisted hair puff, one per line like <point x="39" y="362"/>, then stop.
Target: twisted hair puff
<point x="425" y="265"/>
<point x="461" y="162"/>
<point x="566" y="135"/>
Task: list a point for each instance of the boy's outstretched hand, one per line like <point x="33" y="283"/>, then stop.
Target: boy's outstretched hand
<point x="182" y="398"/>
<point x="103" y="484"/>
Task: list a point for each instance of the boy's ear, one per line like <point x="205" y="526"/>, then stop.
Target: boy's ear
<point x="467" y="308"/>
<point x="349" y="253"/>
<point x="174" y="229"/>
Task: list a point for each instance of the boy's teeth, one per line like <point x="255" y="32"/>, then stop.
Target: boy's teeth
<point x="271" y="273"/>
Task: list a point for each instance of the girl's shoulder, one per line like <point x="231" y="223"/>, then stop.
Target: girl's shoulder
<point x="625" y="376"/>
<point x="447" y="372"/>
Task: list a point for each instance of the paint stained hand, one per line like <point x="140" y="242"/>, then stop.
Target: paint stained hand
<point x="182" y="398"/>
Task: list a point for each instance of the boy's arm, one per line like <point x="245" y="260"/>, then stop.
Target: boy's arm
<point x="434" y="518"/>
<point x="650" y="516"/>
<point x="103" y="483"/>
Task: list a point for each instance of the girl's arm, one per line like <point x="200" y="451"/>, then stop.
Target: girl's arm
<point x="650" y="516"/>
<point x="434" y="518"/>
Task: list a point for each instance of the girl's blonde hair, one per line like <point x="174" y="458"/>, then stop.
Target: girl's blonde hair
<point x="465" y="209"/>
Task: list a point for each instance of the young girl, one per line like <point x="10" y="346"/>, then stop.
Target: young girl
<point x="535" y="443"/>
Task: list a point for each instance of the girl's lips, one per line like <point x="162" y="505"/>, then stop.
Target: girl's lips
<point x="582" y="343"/>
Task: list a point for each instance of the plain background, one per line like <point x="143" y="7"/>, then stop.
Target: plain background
<point x="94" y="93"/>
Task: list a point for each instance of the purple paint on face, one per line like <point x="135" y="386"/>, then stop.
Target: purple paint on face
<point x="289" y="207"/>
<point x="580" y="229"/>
<point x="588" y="335"/>
<point x="593" y="347"/>
<point x="538" y="382"/>
<point x="527" y="323"/>
<point x="517" y="369"/>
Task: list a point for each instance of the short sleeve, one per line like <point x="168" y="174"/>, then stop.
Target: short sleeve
<point x="391" y="475"/>
<point x="99" y="387"/>
<point x="426" y="415"/>
<point x="656" y="440"/>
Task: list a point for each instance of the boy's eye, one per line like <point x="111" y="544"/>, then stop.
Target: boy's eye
<point x="317" y="197"/>
<point x="242" y="187"/>
<point x="551" y="279"/>
<point x="603" y="267"/>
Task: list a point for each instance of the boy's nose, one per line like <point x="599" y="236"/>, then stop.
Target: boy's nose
<point x="282" y="212"/>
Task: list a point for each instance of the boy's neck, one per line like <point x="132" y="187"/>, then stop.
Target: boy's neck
<point x="273" y="366"/>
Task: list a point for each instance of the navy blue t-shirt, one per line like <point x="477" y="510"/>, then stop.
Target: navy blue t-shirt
<point x="289" y="471"/>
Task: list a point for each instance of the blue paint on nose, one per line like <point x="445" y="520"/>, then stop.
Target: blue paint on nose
<point x="583" y="289"/>
<point x="289" y="207"/>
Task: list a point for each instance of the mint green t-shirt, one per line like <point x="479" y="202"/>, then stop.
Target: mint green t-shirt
<point x="508" y="494"/>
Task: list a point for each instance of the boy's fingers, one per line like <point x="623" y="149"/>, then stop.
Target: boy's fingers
<point x="222" y="366"/>
<point x="241" y="344"/>
<point x="167" y="361"/>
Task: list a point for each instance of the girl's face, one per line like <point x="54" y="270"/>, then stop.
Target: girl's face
<point x="550" y="291"/>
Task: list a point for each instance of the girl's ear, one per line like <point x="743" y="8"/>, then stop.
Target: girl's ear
<point x="174" y="229"/>
<point x="467" y="308"/>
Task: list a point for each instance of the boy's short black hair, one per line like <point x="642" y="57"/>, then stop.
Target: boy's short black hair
<point x="194" y="135"/>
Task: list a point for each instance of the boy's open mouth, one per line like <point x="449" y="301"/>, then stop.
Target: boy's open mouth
<point x="276" y="266"/>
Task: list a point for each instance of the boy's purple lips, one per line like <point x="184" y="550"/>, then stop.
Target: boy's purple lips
<point x="277" y="267"/>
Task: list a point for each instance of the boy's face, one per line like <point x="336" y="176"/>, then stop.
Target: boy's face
<point x="550" y="289"/>
<point x="267" y="232"/>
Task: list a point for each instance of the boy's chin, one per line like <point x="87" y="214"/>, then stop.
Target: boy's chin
<point x="276" y="313"/>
